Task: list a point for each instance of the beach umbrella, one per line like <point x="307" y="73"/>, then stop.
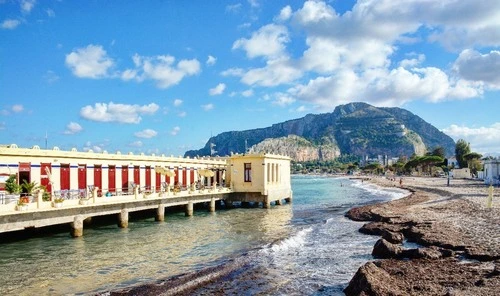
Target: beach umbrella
<point x="169" y="173"/>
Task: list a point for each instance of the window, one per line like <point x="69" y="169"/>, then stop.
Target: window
<point x="248" y="172"/>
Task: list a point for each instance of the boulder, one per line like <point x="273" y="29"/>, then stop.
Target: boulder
<point x="372" y="280"/>
<point x="385" y="250"/>
<point x="393" y="237"/>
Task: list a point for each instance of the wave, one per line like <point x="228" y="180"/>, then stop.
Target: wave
<point x="390" y="193"/>
<point x="293" y="242"/>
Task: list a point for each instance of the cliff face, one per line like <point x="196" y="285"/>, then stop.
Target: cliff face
<point x="355" y="128"/>
<point x="297" y="148"/>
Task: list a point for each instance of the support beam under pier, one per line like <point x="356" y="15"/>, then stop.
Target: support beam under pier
<point x="77" y="226"/>
<point x="160" y="213"/>
<point x="123" y="218"/>
<point x="189" y="209"/>
<point x="212" y="205"/>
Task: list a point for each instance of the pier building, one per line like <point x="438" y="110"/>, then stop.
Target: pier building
<point x="74" y="186"/>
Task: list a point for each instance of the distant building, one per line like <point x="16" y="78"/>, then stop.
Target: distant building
<point x="491" y="171"/>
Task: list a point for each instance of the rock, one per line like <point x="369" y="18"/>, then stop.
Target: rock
<point x="419" y="253"/>
<point x="393" y="237"/>
<point x="371" y="280"/>
<point x="385" y="250"/>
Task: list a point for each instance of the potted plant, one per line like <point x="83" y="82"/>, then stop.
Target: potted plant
<point x="58" y="202"/>
<point x="22" y="203"/>
<point x="11" y="185"/>
<point x="29" y="187"/>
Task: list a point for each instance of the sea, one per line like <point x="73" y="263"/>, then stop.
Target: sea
<point x="306" y="247"/>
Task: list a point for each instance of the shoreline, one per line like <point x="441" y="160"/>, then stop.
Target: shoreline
<point x="458" y="238"/>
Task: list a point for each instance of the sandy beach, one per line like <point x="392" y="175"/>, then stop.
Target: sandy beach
<point x="458" y="237"/>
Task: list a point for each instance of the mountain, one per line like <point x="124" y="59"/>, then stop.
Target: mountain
<point x="355" y="128"/>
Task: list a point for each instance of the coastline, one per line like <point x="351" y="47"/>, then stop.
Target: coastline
<point x="457" y="237"/>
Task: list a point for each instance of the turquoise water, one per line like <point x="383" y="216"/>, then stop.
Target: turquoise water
<point x="306" y="247"/>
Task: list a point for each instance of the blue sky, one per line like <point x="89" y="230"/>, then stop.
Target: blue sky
<point x="162" y="76"/>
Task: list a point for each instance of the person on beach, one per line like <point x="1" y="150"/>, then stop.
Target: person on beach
<point x="400" y="182"/>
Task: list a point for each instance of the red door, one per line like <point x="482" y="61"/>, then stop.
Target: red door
<point x="112" y="178"/>
<point x="125" y="178"/>
<point x="148" y="178"/>
<point x="82" y="176"/>
<point x="158" y="182"/>
<point x="176" y="177"/>
<point x="184" y="177"/>
<point x="191" y="176"/>
<point x="46" y="174"/>
<point x="65" y="181"/>
<point x="98" y="178"/>
<point x="137" y="175"/>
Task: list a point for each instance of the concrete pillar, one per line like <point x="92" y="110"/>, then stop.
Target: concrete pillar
<point x="189" y="209"/>
<point x="279" y="202"/>
<point x="77" y="226"/>
<point x="212" y="205"/>
<point x="136" y="191"/>
<point x="39" y="198"/>
<point x="160" y="213"/>
<point x="94" y="193"/>
<point x="267" y="203"/>
<point x="123" y="219"/>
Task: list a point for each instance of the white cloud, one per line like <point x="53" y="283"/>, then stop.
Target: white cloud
<point x="73" y="128"/>
<point x="234" y="8"/>
<point x="207" y="107"/>
<point x="275" y="72"/>
<point x="211" y="60"/>
<point x="94" y="147"/>
<point x="175" y="131"/>
<point x="51" y="76"/>
<point x="238" y="72"/>
<point x="269" y="41"/>
<point x="146" y="134"/>
<point x="17" y="108"/>
<point x="285" y="14"/>
<point x="2" y="125"/>
<point x="482" y="139"/>
<point x="247" y="93"/>
<point x="474" y="66"/>
<point x="136" y="144"/>
<point x="89" y="62"/>
<point x="10" y="24"/>
<point x="161" y="69"/>
<point x="351" y="56"/>
<point x="253" y="3"/>
<point x="283" y="100"/>
<point x="182" y="114"/>
<point x="27" y="5"/>
<point x="218" y="90"/>
<point x="50" y="13"/>
<point x="121" y="113"/>
<point x="177" y="102"/>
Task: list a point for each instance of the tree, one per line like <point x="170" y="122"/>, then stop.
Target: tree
<point x="11" y="185"/>
<point x="438" y="151"/>
<point x="461" y="149"/>
<point x="473" y="162"/>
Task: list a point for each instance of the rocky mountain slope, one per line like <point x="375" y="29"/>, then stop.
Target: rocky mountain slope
<point x="356" y="128"/>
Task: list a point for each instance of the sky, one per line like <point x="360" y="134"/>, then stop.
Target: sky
<point x="164" y="76"/>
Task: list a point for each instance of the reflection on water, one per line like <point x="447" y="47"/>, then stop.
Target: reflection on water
<point x="108" y="257"/>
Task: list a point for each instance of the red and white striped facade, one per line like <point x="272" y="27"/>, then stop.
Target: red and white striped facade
<point x="113" y="172"/>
